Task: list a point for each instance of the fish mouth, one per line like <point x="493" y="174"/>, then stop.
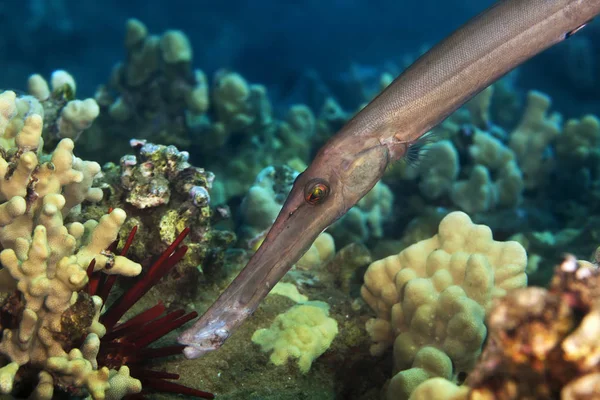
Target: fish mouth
<point x="293" y="232"/>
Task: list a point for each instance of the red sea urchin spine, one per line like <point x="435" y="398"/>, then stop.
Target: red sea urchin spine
<point x="160" y="327"/>
<point x="171" y="256"/>
<point x="125" y="343"/>
<point x="110" y="280"/>
<point x="93" y="280"/>
<point x="162" y="385"/>
<point x="137" y="321"/>
<point x="100" y="284"/>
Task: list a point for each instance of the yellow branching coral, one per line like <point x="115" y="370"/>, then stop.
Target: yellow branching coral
<point x="74" y="116"/>
<point x="44" y="261"/>
<point x="535" y="132"/>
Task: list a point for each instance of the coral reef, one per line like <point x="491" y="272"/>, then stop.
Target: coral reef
<point x="432" y="298"/>
<point x="157" y="94"/>
<point x="45" y="261"/>
<point x="55" y="339"/>
<point x="542" y="343"/>
<point x="64" y="116"/>
<point x="163" y="194"/>
<point x="525" y="173"/>
<point x="152" y="91"/>
<point x="304" y="332"/>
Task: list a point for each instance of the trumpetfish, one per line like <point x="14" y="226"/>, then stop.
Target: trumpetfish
<point x="355" y="158"/>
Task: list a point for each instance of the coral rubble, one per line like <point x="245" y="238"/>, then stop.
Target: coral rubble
<point x="543" y="343"/>
<point x="163" y="194"/>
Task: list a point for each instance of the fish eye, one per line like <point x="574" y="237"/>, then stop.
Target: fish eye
<point x="316" y="191"/>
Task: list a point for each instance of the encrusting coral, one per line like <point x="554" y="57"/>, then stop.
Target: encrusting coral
<point x="431" y="300"/>
<point x="304" y="332"/>
<point x="163" y="194"/>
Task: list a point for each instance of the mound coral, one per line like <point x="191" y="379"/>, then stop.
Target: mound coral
<point x="432" y="298"/>
<point x="304" y="332"/>
<point x="542" y="343"/>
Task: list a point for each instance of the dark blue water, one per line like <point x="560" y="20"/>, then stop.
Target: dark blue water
<point x="276" y="43"/>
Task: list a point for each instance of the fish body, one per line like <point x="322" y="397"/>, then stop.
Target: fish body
<point x="354" y="160"/>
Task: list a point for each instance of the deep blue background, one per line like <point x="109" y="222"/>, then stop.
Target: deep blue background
<point x="271" y="42"/>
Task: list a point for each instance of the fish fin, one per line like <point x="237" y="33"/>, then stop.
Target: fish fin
<point x="574" y="31"/>
<point x="417" y="150"/>
<point x="414" y="152"/>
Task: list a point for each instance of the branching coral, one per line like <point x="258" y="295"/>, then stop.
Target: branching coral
<point x="52" y="329"/>
<point x="64" y="116"/>
<point x="532" y="138"/>
<point x="43" y="259"/>
<point x="479" y="193"/>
